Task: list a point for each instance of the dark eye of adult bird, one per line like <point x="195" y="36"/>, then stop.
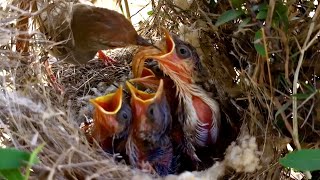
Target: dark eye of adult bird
<point x="183" y="51"/>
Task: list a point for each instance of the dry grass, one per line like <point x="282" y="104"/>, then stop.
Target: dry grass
<point x="33" y="112"/>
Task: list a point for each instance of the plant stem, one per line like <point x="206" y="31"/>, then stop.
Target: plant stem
<point x="305" y="46"/>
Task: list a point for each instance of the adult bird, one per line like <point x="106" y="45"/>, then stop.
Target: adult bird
<point x="111" y="122"/>
<point x="149" y="146"/>
<point x="198" y="113"/>
<point x="82" y="30"/>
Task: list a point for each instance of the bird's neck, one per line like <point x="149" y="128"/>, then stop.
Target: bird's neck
<point x="202" y="112"/>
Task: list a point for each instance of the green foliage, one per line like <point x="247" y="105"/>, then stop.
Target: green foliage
<point x="12" y="160"/>
<point x="11" y="174"/>
<point x="310" y="92"/>
<point x="302" y="96"/>
<point x="228" y="16"/>
<point x="33" y="159"/>
<point x="244" y="22"/>
<point x="259" y="13"/>
<point x="262" y="15"/>
<point x="258" y="43"/>
<point x="302" y="160"/>
<point x="150" y="13"/>
<point x="280" y="16"/>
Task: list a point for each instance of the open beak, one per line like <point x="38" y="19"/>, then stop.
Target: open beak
<point x="168" y="60"/>
<point x="147" y="79"/>
<point x="106" y="109"/>
<point x="140" y="101"/>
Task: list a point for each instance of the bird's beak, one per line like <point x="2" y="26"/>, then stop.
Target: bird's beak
<point x="106" y="109"/>
<point x="140" y="101"/>
<point x="147" y="79"/>
<point x="143" y="42"/>
<point x="168" y="60"/>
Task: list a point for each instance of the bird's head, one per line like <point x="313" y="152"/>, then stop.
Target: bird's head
<point x="178" y="59"/>
<point x="148" y="79"/>
<point x="151" y="113"/>
<point x="112" y="115"/>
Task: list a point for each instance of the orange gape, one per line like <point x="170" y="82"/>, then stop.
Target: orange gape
<point x="149" y="146"/>
<point x="198" y="115"/>
<point x="111" y="121"/>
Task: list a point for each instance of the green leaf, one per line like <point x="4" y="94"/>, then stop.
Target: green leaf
<point x="302" y="160"/>
<point x="228" y="16"/>
<point x="281" y="15"/>
<point x="262" y="15"/>
<point x="11" y="174"/>
<point x="260" y="49"/>
<point x="258" y="45"/>
<point x="12" y="158"/>
<point x="150" y="13"/>
<point x="301" y="96"/>
<point x="310" y="87"/>
<point x="33" y="159"/>
<point x="244" y="22"/>
<point x="282" y="108"/>
<point x="281" y="8"/>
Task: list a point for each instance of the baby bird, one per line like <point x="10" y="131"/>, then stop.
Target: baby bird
<point x="111" y="120"/>
<point x="198" y="113"/>
<point x="149" y="146"/>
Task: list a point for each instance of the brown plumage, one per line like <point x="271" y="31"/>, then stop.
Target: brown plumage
<point x="82" y="30"/>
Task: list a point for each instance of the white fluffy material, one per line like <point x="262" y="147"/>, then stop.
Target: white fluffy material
<point x="243" y="156"/>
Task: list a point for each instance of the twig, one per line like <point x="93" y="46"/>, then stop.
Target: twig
<point x="153" y="4"/>
<point x="306" y="100"/>
<point x="126" y="4"/>
<point x="305" y="46"/>
<point x="82" y="164"/>
<point x="26" y="13"/>
<point x="272" y="3"/>
<point x="140" y="10"/>
<point x="308" y="115"/>
<point x="59" y="160"/>
<point x="208" y="20"/>
<point x="286" y="51"/>
<point x="268" y="63"/>
<point x="284" y="118"/>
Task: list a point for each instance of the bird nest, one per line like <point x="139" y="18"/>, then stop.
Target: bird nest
<point x="259" y="117"/>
